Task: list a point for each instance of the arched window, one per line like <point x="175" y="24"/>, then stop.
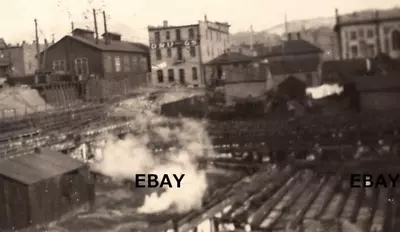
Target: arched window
<point x="396" y="40"/>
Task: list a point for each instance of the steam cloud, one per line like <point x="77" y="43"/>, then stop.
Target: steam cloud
<point x="123" y="158"/>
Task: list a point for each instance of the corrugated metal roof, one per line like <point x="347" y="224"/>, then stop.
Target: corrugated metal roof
<point x="33" y="168"/>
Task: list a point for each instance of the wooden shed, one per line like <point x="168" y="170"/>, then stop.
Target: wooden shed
<point x="40" y="188"/>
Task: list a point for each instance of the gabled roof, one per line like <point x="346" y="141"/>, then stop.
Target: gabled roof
<point x="293" y="66"/>
<point x="29" y="169"/>
<point x="345" y="69"/>
<point x="231" y="58"/>
<point x="292" y="47"/>
<point x="113" y="46"/>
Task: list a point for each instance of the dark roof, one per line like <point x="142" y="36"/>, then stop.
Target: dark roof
<point x="293" y="66"/>
<point x="111" y="33"/>
<point x="29" y="169"/>
<point x="376" y="83"/>
<point x="156" y="28"/>
<point x="292" y="47"/>
<point x="346" y="69"/>
<point x="231" y="58"/>
<point x="113" y="46"/>
<point x="83" y="30"/>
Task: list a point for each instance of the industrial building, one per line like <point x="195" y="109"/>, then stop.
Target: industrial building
<point x="178" y="53"/>
<point x="84" y="54"/>
<point x="367" y="33"/>
<point x="18" y="60"/>
<point x="40" y="188"/>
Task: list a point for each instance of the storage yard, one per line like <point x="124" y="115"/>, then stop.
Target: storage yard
<point x="288" y="194"/>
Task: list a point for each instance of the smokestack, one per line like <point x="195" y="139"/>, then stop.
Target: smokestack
<point x="72" y="27"/>
<point x="289" y="36"/>
<point x="165" y="23"/>
<point x="205" y="18"/>
<point x="105" y="27"/>
<point x="96" y="31"/>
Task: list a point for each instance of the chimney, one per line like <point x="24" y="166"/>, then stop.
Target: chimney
<point x="289" y="36"/>
<point x="23" y="42"/>
<point x="165" y="23"/>
<point x="37" y="150"/>
<point x="298" y="36"/>
<point x="205" y="18"/>
<point x="84" y="33"/>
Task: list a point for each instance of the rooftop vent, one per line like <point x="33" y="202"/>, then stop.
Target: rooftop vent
<point x="84" y="33"/>
<point x="111" y="36"/>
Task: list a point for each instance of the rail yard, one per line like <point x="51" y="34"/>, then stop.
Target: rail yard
<point x="282" y="193"/>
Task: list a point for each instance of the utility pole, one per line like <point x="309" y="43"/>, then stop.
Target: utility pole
<point x="95" y="26"/>
<point x="251" y="37"/>
<point x="37" y="44"/>
<point x="105" y="27"/>
<point x="72" y="27"/>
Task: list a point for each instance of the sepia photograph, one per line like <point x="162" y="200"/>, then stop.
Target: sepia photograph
<point x="199" y="116"/>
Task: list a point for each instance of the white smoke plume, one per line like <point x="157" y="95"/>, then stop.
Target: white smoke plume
<point x="123" y="158"/>
<point x="324" y="90"/>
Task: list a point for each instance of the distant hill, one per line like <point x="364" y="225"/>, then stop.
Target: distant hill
<point x="318" y="31"/>
<point x="273" y="34"/>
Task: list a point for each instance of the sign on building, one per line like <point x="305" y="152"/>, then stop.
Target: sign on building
<point x="172" y="44"/>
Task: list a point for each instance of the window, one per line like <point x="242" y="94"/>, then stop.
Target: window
<point x="212" y="52"/>
<point x="117" y="63"/>
<point x="361" y="33"/>
<point x="396" y="40"/>
<point x="194" y="73"/>
<point x="169" y="52"/>
<point x="386" y="30"/>
<point x="143" y="63"/>
<point x="193" y="51"/>
<point x="211" y="35"/>
<point x="371" y="50"/>
<point x="157" y="36"/>
<point x="127" y="64"/>
<point x="354" y="51"/>
<point x="160" y="76"/>
<point x="370" y="33"/>
<point x="108" y="64"/>
<point x="59" y="66"/>
<point x="171" y="75"/>
<point x="167" y="35"/>
<point x="353" y="35"/>
<point x="208" y="51"/>
<point x="179" y="53"/>
<point x="191" y="33"/>
<point x="81" y="66"/>
<point x="182" y="76"/>
<point x="135" y="63"/>
<point x="178" y="34"/>
<point x="206" y="34"/>
<point x="158" y="54"/>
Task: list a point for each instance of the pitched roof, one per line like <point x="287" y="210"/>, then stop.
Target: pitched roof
<point x="29" y="169"/>
<point x="113" y="46"/>
<point x="231" y="58"/>
<point x="346" y="69"/>
<point x="292" y="47"/>
<point x="293" y="66"/>
<point x="376" y="83"/>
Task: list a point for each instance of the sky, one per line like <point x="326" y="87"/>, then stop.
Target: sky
<point x="133" y="16"/>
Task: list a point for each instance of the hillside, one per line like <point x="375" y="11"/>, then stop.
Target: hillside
<point x="273" y="34"/>
<point x="317" y="31"/>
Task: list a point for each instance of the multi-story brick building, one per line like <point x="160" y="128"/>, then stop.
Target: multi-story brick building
<point x="368" y="33"/>
<point x="18" y="60"/>
<point x="178" y="53"/>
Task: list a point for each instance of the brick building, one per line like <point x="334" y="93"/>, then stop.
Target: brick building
<point x="18" y="60"/>
<point x="368" y="33"/>
<point x="178" y="53"/>
<point x="81" y="54"/>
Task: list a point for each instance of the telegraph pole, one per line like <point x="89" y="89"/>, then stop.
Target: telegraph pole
<point x="105" y="27"/>
<point x="37" y="44"/>
<point x="95" y="26"/>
